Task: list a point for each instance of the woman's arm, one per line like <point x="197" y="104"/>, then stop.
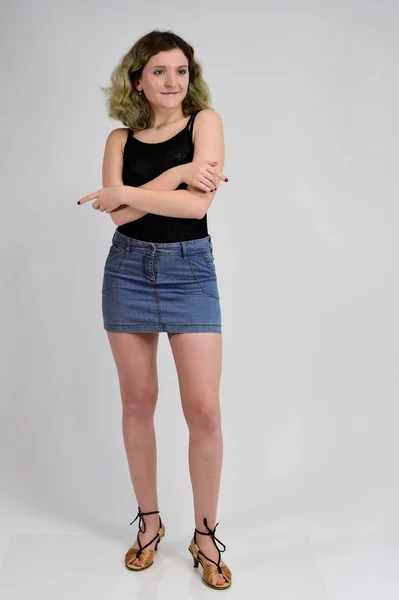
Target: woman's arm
<point x="191" y="203"/>
<point x="112" y="175"/>
<point x="169" y="180"/>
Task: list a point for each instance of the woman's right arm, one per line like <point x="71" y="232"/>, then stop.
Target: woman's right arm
<point x="112" y="175"/>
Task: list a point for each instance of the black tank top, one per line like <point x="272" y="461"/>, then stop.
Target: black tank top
<point x="144" y="161"/>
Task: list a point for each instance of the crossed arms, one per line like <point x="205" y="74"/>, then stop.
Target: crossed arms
<point x="160" y="195"/>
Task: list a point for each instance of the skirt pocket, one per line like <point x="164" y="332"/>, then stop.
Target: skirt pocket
<point x="204" y="271"/>
<point x="112" y="265"/>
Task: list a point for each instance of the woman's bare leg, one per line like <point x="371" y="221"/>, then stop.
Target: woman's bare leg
<point x="198" y="359"/>
<point x="135" y="356"/>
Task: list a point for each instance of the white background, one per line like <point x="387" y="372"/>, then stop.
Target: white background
<point x="306" y="249"/>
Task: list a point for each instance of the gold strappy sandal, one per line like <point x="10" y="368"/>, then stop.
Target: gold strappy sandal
<point x="146" y="557"/>
<point x="210" y="573"/>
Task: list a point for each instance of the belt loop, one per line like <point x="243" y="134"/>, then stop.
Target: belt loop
<point x="184" y="250"/>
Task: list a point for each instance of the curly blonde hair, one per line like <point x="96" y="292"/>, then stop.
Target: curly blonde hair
<point x="127" y="105"/>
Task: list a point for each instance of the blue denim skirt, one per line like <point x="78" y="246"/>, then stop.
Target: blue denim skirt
<point x="156" y="287"/>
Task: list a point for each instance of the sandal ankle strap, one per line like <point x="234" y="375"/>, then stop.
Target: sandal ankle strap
<point x="141" y="521"/>
<point x="210" y="532"/>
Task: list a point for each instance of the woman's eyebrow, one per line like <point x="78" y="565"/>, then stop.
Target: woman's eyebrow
<point x="164" y="67"/>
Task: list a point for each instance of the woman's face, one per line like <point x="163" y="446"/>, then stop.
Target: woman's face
<point x="165" y="79"/>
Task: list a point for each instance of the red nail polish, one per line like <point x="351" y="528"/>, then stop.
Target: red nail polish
<point x="226" y="179"/>
<point x="78" y="202"/>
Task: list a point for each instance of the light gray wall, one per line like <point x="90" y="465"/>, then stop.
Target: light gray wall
<point x="306" y="249"/>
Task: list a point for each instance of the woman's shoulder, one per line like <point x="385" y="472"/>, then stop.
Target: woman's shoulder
<point x="207" y="114"/>
<point x="119" y="136"/>
<point x="207" y="117"/>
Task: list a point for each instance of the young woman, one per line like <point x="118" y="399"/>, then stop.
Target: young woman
<point x="160" y="175"/>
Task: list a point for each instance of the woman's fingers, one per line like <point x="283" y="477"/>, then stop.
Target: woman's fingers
<point x="209" y="186"/>
<point x="201" y="185"/>
<point x="221" y="176"/>
<point x="209" y="176"/>
<point x="89" y="197"/>
<point x="218" y="173"/>
<point x="211" y="179"/>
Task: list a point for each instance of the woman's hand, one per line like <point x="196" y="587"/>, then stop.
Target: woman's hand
<point x="107" y="199"/>
<point x="204" y="175"/>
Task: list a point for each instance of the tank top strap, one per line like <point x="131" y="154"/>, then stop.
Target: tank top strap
<point x="189" y="126"/>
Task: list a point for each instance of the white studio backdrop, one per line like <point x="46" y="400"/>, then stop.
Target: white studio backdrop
<point x="306" y="249"/>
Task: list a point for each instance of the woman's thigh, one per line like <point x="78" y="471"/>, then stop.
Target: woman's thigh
<point x="198" y="360"/>
<point x="135" y="356"/>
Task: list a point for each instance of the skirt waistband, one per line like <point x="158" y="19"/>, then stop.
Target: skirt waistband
<point x="189" y="247"/>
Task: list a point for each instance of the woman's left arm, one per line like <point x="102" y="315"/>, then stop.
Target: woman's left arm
<point x="191" y="203"/>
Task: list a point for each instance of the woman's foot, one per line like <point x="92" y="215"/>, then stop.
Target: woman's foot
<point x="151" y="529"/>
<point x="207" y="546"/>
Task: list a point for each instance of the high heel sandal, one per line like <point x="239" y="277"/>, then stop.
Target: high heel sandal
<point x="146" y="557"/>
<point x="210" y="572"/>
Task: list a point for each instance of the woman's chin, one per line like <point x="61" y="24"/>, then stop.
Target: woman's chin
<point x="169" y="101"/>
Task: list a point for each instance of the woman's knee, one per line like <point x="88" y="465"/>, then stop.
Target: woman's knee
<point x="135" y="356"/>
<point x="203" y="417"/>
<point x="139" y="402"/>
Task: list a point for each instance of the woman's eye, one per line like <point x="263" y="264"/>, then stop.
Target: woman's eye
<point x="181" y="71"/>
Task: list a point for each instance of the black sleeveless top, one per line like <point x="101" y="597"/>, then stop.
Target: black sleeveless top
<point x="144" y="161"/>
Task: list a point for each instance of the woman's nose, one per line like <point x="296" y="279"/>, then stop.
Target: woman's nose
<point x="170" y="81"/>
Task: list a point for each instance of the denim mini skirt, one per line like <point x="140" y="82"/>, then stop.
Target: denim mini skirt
<point x="160" y="287"/>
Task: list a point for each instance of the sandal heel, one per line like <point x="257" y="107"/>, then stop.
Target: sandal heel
<point x="196" y="562"/>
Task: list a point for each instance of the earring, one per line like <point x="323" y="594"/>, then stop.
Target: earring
<point x="141" y="92"/>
